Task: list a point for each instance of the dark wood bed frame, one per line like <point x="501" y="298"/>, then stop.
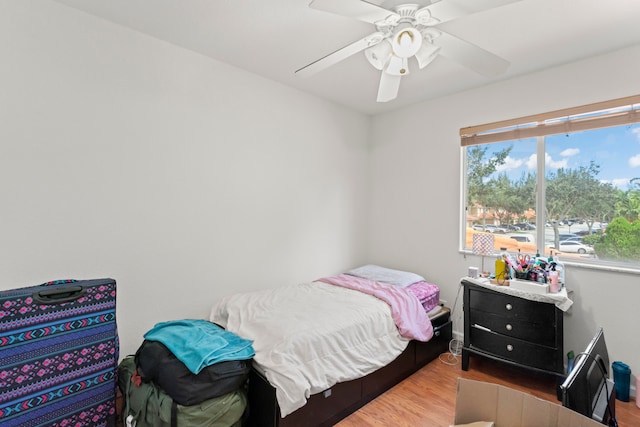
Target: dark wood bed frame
<point x="332" y="405"/>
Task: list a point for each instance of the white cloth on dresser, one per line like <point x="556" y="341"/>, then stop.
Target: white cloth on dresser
<point x="560" y="299"/>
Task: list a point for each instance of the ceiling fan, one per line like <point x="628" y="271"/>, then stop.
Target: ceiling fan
<point x="408" y="31"/>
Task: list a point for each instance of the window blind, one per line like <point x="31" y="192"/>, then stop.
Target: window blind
<point x="592" y="116"/>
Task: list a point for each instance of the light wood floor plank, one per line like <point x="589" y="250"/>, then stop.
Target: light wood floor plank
<point x="427" y="398"/>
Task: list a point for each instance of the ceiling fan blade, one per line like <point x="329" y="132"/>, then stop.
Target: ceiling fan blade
<point x="471" y="56"/>
<point x="356" y="9"/>
<point x="448" y="10"/>
<point x="389" y="86"/>
<point x="340" y="54"/>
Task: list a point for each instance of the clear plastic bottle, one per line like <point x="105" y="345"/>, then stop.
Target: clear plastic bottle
<point x="560" y="270"/>
<point x="558" y="266"/>
<point x="510" y="263"/>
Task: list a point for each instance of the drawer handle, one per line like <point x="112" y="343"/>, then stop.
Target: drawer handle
<point x="508" y="306"/>
<point x="509" y="327"/>
<point x="509" y="347"/>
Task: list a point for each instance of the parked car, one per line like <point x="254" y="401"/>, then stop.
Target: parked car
<point x="525" y="238"/>
<point x="572" y="221"/>
<point x="574" y="239"/>
<point x="574" y="247"/>
<point x="495" y="228"/>
<point x="567" y="236"/>
<point x="586" y="232"/>
<point x="526" y="226"/>
<point x="491" y="228"/>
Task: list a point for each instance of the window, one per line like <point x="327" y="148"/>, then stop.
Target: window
<point x="568" y="180"/>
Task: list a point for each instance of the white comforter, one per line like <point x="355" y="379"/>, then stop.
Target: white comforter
<point x="311" y="336"/>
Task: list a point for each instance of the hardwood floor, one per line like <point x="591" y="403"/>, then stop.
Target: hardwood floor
<point x="427" y="398"/>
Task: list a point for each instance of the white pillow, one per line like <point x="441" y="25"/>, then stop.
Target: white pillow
<point x="386" y="275"/>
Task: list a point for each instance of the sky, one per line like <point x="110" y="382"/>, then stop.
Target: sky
<point x="616" y="150"/>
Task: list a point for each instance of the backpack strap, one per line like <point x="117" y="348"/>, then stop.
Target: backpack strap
<point x="174" y="413"/>
<point x="127" y="374"/>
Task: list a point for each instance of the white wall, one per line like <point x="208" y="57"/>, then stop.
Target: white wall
<point x="181" y="177"/>
<point x="416" y="190"/>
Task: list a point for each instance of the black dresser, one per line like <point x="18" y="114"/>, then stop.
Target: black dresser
<point x="512" y="329"/>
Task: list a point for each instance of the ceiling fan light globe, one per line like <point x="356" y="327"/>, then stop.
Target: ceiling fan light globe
<point x="426" y="54"/>
<point x="379" y="55"/>
<point x="430" y="34"/>
<point x="406" y="42"/>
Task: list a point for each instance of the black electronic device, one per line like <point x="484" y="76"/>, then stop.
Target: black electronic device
<point x="588" y="389"/>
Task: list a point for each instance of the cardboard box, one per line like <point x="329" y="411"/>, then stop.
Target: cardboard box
<point x="481" y="401"/>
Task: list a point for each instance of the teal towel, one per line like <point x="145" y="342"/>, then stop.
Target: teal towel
<point x="199" y="343"/>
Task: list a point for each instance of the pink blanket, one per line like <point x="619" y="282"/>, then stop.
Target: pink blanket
<point x="408" y="314"/>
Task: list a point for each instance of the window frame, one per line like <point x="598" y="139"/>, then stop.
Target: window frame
<point x="599" y="115"/>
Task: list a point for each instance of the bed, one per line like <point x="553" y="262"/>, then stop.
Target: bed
<point x="327" y="347"/>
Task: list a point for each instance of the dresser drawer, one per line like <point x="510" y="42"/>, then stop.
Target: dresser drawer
<point x="515" y="350"/>
<point x="514" y="327"/>
<point x="542" y="314"/>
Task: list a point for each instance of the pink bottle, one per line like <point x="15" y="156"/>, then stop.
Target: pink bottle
<point x="553" y="281"/>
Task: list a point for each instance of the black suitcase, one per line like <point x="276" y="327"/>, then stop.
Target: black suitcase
<point x="59" y="354"/>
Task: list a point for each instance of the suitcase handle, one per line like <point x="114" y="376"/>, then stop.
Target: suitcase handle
<point x="59" y="295"/>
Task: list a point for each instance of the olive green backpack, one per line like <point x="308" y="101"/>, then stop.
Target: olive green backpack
<point x="147" y="405"/>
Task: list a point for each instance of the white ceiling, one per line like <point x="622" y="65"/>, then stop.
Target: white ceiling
<point x="274" y="38"/>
